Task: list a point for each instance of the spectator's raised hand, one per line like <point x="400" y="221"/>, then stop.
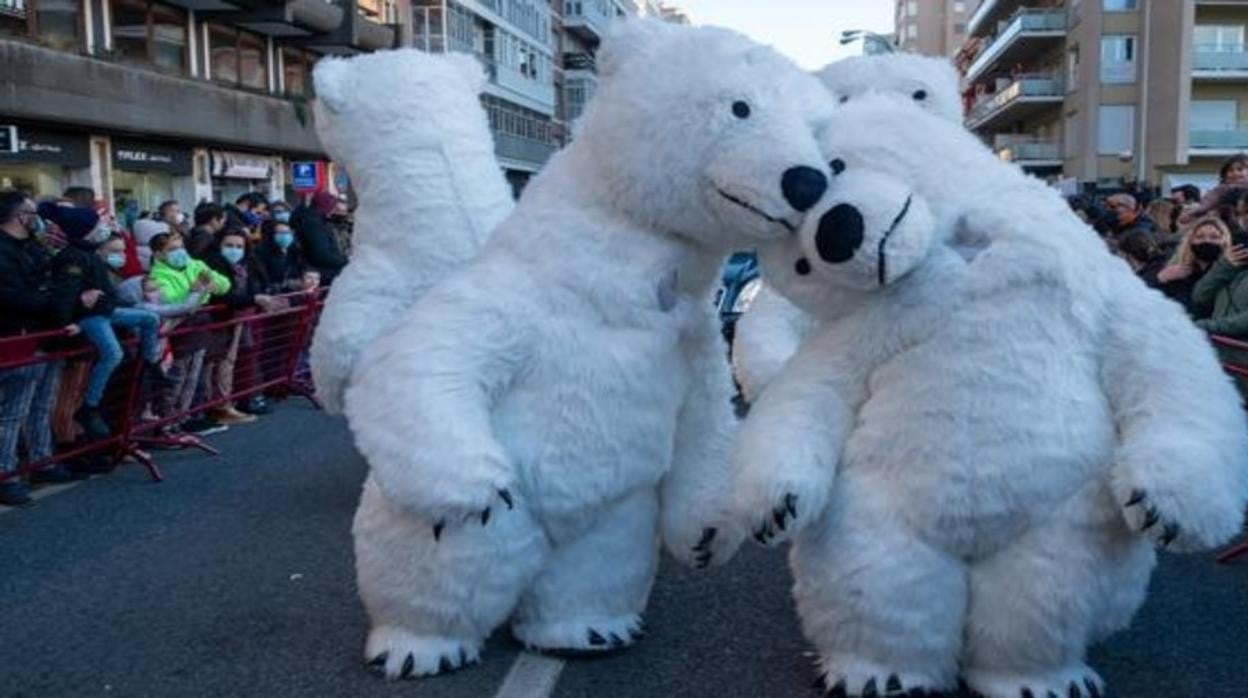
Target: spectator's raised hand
<point x="1174" y="272"/>
<point x="1237" y="255"/>
<point x="72" y="329"/>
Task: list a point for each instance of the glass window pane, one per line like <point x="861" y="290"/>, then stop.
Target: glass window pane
<point x="130" y="30"/>
<point x="58" y="22"/>
<point x="224" y="54"/>
<point x="169" y="37"/>
<point x="1115" y="129"/>
<point x="252" y="66"/>
<point x="294" y="73"/>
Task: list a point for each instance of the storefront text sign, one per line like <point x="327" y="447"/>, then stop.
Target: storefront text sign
<point x="26" y="144"/>
<point x="138" y="156"/>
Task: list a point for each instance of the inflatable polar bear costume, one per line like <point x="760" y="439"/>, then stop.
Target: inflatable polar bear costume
<point x="519" y="419"/>
<point x="768" y="334"/>
<point x="995" y="424"/>
<point x="411" y="131"/>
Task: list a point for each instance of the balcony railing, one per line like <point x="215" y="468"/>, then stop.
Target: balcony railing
<point x="1046" y="22"/>
<point x="13" y="8"/>
<point x="1220" y="58"/>
<point x="1219" y="139"/>
<point x="1026" y="86"/>
<point x="1025" y="151"/>
<point x="579" y="61"/>
<point x="588" y="18"/>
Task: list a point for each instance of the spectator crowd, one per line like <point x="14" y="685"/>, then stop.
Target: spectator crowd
<point x="80" y="277"/>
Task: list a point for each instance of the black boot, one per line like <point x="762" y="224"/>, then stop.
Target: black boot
<point x="90" y="419"/>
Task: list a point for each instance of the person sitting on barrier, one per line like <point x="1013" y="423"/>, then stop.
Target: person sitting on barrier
<point x="281" y="258"/>
<point x="1201" y="245"/>
<point x="176" y="273"/>
<point x="86" y="267"/>
<point x="29" y="302"/>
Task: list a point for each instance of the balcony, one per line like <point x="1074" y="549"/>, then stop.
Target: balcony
<point x="1220" y="62"/>
<point x="584" y="62"/>
<point x="587" y="19"/>
<point x="355" y="33"/>
<point x="987" y="14"/>
<point x="1029" y="153"/>
<point x="289" y="20"/>
<point x="1023" y="98"/>
<point x="1024" y="36"/>
<point x="1217" y="141"/>
<point x="527" y="153"/>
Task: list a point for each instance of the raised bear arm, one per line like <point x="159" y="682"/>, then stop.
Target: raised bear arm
<point x="1180" y="472"/>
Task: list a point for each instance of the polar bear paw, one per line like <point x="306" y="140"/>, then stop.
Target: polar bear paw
<point x="575" y="637"/>
<point x="1075" y="681"/>
<point x="1148" y="518"/>
<point x="843" y="676"/>
<point x="399" y="654"/>
<point x="774" y="525"/>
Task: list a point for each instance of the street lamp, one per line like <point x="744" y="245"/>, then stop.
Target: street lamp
<point x="872" y="43"/>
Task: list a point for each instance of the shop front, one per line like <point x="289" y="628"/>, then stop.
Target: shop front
<point x="147" y="174"/>
<point x="42" y="162"/>
<point x="235" y="174"/>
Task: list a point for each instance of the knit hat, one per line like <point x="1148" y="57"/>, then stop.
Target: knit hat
<point x="75" y="222"/>
<point x="324" y="203"/>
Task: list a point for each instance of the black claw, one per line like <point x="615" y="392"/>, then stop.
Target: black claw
<point x="893" y="685"/>
<point x="485" y="516"/>
<point x="869" y="690"/>
<point x="1151" y="517"/>
<point x="704" y="560"/>
<point x="821" y="681"/>
<point x="1093" y="691"/>
<point x="408" y="665"/>
<point x="790" y="504"/>
<point x="437" y="530"/>
<point x="616" y="640"/>
<point x="1051" y="694"/>
<point x="838" y="691"/>
<point x="444" y="665"/>
<point x="1137" y="496"/>
<point x="1074" y="691"/>
<point x="463" y="658"/>
<point x="505" y="495"/>
<point x="708" y="535"/>
<point x="1169" y="533"/>
<point x="379" y="660"/>
<point x="596" y="639"/>
<point x="1027" y="693"/>
<point x="761" y="535"/>
<point x="778" y="517"/>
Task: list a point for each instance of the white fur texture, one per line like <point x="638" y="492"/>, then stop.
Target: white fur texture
<point x="528" y="406"/>
<point x="770" y="332"/>
<point x="976" y="458"/>
<point x="411" y="131"/>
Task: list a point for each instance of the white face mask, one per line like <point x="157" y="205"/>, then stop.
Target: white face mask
<point x="103" y="231"/>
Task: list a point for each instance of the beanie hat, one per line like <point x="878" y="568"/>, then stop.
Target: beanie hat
<point x="324" y="203"/>
<point x="75" y="222"/>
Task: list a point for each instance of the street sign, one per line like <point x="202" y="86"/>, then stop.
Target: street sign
<point x="8" y="139"/>
<point x="304" y="176"/>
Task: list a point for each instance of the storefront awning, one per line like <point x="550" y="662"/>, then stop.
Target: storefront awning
<point x="234" y="165"/>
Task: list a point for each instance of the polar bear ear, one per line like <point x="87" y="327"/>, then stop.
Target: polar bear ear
<point x="626" y="40"/>
<point x="334" y="82"/>
<point x="470" y="68"/>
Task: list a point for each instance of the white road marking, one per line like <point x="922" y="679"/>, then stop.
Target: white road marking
<point x="532" y="676"/>
<point x="43" y="491"/>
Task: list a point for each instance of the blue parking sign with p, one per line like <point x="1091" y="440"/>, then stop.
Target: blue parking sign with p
<point x="303" y="175"/>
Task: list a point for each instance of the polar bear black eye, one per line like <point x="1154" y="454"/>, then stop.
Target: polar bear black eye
<point x="919" y="95"/>
<point x="802" y="267"/>
<point x="741" y="109"/>
<point x="837" y="165"/>
<point x="844" y="99"/>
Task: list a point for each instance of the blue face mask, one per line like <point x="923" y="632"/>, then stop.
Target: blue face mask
<point x="115" y="260"/>
<point x="178" y="259"/>
<point x="233" y="255"/>
<point x="284" y="240"/>
<point x="282" y="216"/>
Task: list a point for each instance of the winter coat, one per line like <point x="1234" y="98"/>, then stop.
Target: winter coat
<point x="246" y="280"/>
<point x="1224" y="290"/>
<point x="78" y="268"/>
<point x="30" y="301"/>
<point x="175" y="284"/>
<point x="283" y="271"/>
<point x="318" y="242"/>
<point x="1180" y="291"/>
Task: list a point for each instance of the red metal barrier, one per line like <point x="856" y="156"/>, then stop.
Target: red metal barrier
<point x="238" y="355"/>
<point x="1240" y="550"/>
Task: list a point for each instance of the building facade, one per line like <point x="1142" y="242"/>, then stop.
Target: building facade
<point x="931" y="27"/>
<point x="191" y="100"/>
<point x="1110" y="92"/>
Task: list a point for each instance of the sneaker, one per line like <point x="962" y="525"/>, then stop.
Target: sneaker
<point x="203" y="426"/>
<point x="13" y="493"/>
<point x="92" y="422"/>
<point x="257" y="405"/>
<point x="229" y="415"/>
<point x="55" y="475"/>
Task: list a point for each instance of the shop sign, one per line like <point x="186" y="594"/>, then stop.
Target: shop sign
<point x="234" y="165"/>
<point x="137" y="156"/>
<point x="26" y="144"/>
<point x="306" y="176"/>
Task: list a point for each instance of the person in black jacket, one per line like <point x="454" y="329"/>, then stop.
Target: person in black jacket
<point x="281" y="258"/>
<point x="317" y="238"/>
<point x="84" y="271"/>
<point x="29" y="302"/>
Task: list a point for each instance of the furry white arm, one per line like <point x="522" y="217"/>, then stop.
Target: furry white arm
<point x="421" y="405"/>
<point x="767" y="336"/>
<point x="696" y="494"/>
<point x="791" y="443"/>
<point x="1181" y="468"/>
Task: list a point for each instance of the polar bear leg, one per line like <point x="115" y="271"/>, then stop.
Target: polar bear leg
<point x="590" y="596"/>
<point x="884" y="610"/>
<point x="1036" y="605"/>
<point x="433" y="602"/>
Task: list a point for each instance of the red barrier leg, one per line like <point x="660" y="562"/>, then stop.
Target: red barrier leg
<point x="144" y="459"/>
<point x="1234" y="553"/>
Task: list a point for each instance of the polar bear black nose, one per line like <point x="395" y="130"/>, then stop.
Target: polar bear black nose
<point x="803" y="187"/>
<point x="840" y="234"/>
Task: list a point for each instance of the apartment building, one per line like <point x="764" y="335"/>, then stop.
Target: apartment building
<point x="931" y="27"/>
<point x="187" y="99"/>
<point x="1109" y="92"/>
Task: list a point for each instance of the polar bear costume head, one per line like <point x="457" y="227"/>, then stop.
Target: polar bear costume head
<point x="930" y="82"/>
<point x="704" y="134"/>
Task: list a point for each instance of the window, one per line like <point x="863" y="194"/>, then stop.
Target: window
<point x="238" y="58"/>
<point x="1219" y="38"/>
<point x="912" y="8"/>
<point x="297" y="72"/>
<point x="55" y="23"/>
<point x="1117" y="59"/>
<point x="1118" y="5"/>
<point x="1072" y="69"/>
<point x="145" y="32"/>
<point x="1214" y="115"/>
<point x="912" y="31"/>
<point x="1115" y="129"/>
<point x="959" y="6"/>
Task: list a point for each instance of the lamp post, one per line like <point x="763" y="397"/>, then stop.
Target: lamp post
<point x="872" y="43"/>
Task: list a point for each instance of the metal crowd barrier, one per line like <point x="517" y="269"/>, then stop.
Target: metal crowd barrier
<point x="214" y="358"/>
<point x="1240" y="372"/>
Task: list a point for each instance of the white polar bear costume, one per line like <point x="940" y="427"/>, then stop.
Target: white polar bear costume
<point x="519" y="420"/>
<point x="768" y="334"/>
<point x="995" y="424"/>
<point x="411" y="131"/>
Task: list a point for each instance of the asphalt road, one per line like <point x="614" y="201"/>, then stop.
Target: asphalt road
<point x="234" y="578"/>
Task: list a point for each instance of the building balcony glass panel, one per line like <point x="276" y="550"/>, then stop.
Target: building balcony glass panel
<point x="987" y="13"/>
<point x="1022" y="37"/>
<point x="1218" y="142"/>
<point x="1023" y="98"/>
<point x="1028" y="152"/>
<point x="587" y="19"/>
<point x="1220" y="62"/>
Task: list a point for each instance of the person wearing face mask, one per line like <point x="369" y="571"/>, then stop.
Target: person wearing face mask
<point x="1199" y="248"/>
<point x="316" y="236"/>
<point x="280" y="257"/>
<point x="280" y="211"/>
<point x="176" y="274"/>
